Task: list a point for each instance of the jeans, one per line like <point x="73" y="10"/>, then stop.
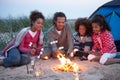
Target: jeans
<point x="15" y="58"/>
<point x="117" y="55"/>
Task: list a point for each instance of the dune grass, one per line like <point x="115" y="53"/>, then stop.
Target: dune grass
<point x="11" y="26"/>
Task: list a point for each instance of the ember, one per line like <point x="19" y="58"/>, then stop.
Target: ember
<point x="66" y="64"/>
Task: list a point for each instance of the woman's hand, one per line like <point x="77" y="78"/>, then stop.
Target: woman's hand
<point x="32" y="51"/>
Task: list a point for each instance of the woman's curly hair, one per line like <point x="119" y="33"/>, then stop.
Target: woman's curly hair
<point x="35" y="15"/>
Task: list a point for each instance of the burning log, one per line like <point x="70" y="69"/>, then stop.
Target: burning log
<point x="66" y="64"/>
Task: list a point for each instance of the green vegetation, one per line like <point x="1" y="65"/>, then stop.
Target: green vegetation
<point x="10" y="26"/>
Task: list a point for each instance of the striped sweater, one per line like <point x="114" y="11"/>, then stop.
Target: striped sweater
<point x="82" y="43"/>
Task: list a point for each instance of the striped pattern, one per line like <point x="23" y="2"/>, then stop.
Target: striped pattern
<point x="84" y="43"/>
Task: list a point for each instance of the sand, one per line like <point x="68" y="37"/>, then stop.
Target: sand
<point x="88" y="71"/>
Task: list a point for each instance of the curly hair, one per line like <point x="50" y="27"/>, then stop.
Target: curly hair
<point x="56" y="15"/>
<point x="35" y="15"/>
<point x="83" y="21"/>
<point x="100" y="20"/>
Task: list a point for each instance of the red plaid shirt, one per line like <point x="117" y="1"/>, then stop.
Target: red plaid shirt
<point x="103" y="42"/>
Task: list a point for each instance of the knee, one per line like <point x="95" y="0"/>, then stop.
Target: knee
<point x="25" y="60"/>
<point x="103" y="61"/>
<point x="14" y="56"/>
<point x="15" y="61"/>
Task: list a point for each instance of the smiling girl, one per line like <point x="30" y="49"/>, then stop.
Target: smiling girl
<point x="104" y="49"/>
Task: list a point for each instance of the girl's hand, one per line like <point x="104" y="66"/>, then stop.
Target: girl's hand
<point x="91" y="52"/>
<point x="94" y="53"/>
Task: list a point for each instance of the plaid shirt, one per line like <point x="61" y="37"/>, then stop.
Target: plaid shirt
<point x="103" y="42"/>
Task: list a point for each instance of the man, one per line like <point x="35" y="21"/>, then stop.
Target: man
<point x="60" y="32"/>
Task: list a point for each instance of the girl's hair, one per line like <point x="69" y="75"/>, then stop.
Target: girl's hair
<point x="100" y="20"/>
<point x="56" y="15"/>
<point x="34" y="16"/>
<point x="83" y="21"/>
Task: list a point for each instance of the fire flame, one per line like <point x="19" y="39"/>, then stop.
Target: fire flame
<point x="66" y="64"/>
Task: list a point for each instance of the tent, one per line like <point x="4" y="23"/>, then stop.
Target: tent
<point x="111" y="11"/>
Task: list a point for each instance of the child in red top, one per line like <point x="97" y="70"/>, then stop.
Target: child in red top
<point x="104" y="49"/>
<point x="28" y="41"/>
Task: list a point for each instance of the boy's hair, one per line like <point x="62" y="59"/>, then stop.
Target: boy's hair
<point x="56" y="15"/>
<point x="35" y="15"/>
<point x="85" y="22"/>
<point x="100" y="20"/>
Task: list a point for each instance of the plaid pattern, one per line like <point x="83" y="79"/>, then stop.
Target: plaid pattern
<point x="103" y="42"/>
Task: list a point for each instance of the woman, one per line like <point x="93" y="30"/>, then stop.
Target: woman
<point x="28" y="42"/>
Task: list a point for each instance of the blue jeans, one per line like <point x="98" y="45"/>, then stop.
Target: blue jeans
<point x="15" y="58"/>
<point x="118" y="55"/>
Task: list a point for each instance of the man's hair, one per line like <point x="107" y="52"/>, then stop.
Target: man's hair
<point x="58" y="14"/>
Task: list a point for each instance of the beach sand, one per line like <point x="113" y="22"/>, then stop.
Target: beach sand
<point x="88" y="71"/>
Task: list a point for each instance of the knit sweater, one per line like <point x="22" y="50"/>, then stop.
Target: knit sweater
<point x="82" y="44"/>
<point x="103" y="42"/>
<point x="18" y="39"/>
<point x="27" y="40"/>
<point x="65" y="39"/>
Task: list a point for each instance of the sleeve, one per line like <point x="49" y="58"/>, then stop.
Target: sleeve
<point x="22" y="48"/>
<point x="50" y="39"/>
<point x="76" y="42"/>
<point x="39" y="46"/>
<point x="40" y="42"/>
<point x="107" y="43"/>
<point x="94" y="47"/>
<point x="88" y="44"/>
<point x="69" y="39"/>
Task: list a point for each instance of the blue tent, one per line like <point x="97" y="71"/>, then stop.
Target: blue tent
<point x="111" y="11"/>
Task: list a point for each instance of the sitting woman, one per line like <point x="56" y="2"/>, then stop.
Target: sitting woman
<point x="82" y="38"/>
<point x="28" y="42"/>
<point x="104" y="49"/>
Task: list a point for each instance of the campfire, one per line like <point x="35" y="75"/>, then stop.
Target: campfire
<point x="66" y="64"/>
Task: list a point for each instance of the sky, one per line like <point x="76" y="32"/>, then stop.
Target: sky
<point x="72" y="8"/>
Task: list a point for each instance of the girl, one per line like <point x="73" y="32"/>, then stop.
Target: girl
<point x="82" y="38"/>
<point x="104" y="49"/>
<point x="28" y="41"/>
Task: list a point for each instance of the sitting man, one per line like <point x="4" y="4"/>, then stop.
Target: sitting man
<point x="61" y="33"/>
